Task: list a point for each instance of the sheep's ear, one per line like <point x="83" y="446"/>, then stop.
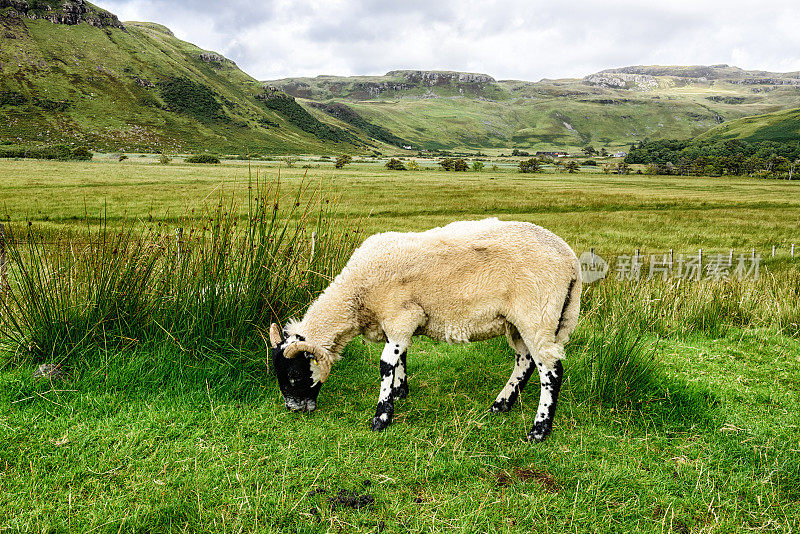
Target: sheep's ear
<point x="324" y="363"/>
<point x="275" y="335"/>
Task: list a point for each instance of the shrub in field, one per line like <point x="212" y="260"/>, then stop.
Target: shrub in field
<point x="529" y="165"/>
<point x="477" y="166"/>
<point x="202" y="158"/>
<point x="215" y="289"/>
<point x="163" y="159"/>
<point x="342" y="160"/>
<point x="80" y="153"/>
<point x="395" y="164"/>
<point x="451" y="164"/>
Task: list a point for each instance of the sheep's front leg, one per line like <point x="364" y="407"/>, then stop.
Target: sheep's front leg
<point x="551" y="378"/>
<point x="390" y="360"/>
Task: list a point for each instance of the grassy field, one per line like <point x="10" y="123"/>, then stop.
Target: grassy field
<point x="588" y="209"/>
<point x="679" y="410"/>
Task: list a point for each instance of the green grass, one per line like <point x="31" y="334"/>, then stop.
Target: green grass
<point x="678" y="413"/>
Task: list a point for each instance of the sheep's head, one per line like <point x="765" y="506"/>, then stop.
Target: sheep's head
<point x="301" y="368"/>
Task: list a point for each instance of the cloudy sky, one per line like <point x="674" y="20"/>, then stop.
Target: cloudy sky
<point x="519" y="39"/>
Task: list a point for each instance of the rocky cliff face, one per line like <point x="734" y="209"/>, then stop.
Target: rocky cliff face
<point x="61" y="12"/>
<point x="215" y="59"/>
<point x="702" y="74"/>
<point x="642" y="82"/>
<point x="435" y="77"/>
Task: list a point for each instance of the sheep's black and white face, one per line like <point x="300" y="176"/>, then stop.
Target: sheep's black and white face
<point x="298" y="378"/>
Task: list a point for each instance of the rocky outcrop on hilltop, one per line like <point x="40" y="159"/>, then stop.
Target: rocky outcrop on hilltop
<point x="436" y="77"/>
<point x="642" y="82"/>
<point x="215" y="59"/>
<point x="69" y="12"/>
<point x="373" y="89"/>
<point x="710" y="72"/>
<point x="706" y="74"/>
<point x="768" y="81"/>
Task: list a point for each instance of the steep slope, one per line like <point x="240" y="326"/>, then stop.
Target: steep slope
<point x="72" y="73"/>
<point x="612" y="108"/>
<point x="780" y="127"/>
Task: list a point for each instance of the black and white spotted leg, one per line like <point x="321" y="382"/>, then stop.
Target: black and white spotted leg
<point x="390" y="360"/>
<point x="523" y="368"/>
<point x="551" y="378"/>
<point x="400" y="386"/>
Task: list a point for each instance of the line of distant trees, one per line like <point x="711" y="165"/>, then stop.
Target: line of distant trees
<point x="733" y="157"/>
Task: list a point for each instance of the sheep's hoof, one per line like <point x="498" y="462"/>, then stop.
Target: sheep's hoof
<point x="501" y="406"/>
<point x="379" y="422"/>
<point x="400" y="392"/>
<point x="539" y="432"/>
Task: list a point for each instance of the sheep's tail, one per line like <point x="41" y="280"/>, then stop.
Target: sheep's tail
<point x="571" y="308"/>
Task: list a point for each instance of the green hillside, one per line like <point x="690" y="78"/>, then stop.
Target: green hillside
<point x="780" y="126"/>
<point x="72" y="73"/>
<point x="612" y="108"/>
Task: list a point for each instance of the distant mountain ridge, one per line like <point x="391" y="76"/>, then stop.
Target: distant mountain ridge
<point x="611" y="108"/>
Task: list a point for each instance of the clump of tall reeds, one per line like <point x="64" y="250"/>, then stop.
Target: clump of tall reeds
<point x="215" y="285"/>
<point x="676" y="307"/>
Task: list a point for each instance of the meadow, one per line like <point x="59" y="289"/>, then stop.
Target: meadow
<point x="678" y="414"/>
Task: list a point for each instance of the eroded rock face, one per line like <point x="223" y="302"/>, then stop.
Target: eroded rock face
<point x="434" y="77"/>
<point x="211" y="57"/>
<point x="768" y="81"/>
<point x="376" y="88"/>
<point x="622" y="81"/>
<point x="67" y="12"/>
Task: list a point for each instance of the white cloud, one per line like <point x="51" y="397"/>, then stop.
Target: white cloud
<point x="520" y="39"/>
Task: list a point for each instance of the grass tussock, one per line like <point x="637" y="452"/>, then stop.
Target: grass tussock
<point x="212" y="288"/>
<point x="615" y="359"/>
<point x="615" y="365"/>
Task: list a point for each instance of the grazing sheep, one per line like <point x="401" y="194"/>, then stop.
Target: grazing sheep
<point x="467" y="281"/>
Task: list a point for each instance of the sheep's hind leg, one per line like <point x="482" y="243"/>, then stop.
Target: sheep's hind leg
<point x="390" y="360"/>
<point x="550" y="377"/>
<point x="400" y="387"/>
<point x="523" y="368"/>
